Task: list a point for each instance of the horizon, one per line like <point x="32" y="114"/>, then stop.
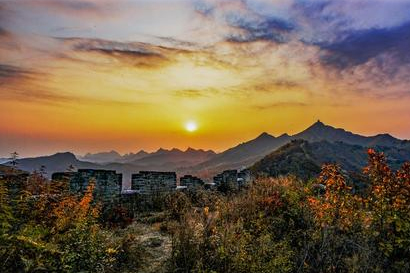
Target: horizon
<point x="79" y="155"/>
<point x="129" y="75"/>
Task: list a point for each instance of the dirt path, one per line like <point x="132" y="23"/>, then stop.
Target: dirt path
<point x="158" y="247"/>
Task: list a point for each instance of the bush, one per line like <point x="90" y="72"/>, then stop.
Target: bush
<point x="284" y="225"/>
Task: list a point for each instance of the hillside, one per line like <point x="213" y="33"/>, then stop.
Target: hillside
<point x="304" y="159"/>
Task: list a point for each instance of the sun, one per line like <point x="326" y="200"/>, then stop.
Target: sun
<point x="191" y="126"/>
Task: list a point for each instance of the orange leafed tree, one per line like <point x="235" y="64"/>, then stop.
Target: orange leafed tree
<point x="71" y="211"/>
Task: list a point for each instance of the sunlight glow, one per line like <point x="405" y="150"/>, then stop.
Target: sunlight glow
<point x="191" y="126"/>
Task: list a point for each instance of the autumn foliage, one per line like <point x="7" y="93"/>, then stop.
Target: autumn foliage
<point x="288" y="225"/>
<point x="44" y="228"/>
<point x="278" y="224"/>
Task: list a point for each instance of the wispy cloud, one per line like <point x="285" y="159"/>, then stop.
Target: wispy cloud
<point x="132" y="53"/>
<point x="90" y="8"/>
<point x="276" y="105"/>
<point x="12" y="73"/>
<point x="190" y="93"/>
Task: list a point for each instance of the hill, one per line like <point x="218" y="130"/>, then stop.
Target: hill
<point x="304" y="159"/>
<point x="243" y="154"/>
<point x="320" y="131"/>
<point x="58" y="162"/>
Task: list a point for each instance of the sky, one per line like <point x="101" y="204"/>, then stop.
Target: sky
<point x="96" y="75"/>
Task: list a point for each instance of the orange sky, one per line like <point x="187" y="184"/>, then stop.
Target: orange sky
<point x="89" y="76"/>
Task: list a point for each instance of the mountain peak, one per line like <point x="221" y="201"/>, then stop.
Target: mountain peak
<point x="161" y="150"/>
<point x="385" y="135"/>
<point x="265" y="135"/>
<point x="318" y="123"/>
<point x="189" y="149"/>
<point x="64" y="154"/>
<point x="285" y="135"/>
<point x="320" y="128"/>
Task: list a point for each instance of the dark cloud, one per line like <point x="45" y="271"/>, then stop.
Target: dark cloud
<point x="248" y="24"/>
<point x="10" y="72"/>
<point x="180" y="44"/>
<point x="111" y="47"/>
<point x="136" y="54"/>
<point x="3" y="32"/>
<point x="359" y="47"/>
<point x="133" y="53"/>
<point x="270" y="29"/>
<point x="204" y="8"/>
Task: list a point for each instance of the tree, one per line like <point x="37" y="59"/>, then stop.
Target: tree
<point x="13" y="159"/>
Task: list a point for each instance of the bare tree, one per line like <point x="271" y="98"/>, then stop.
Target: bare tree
<point x="13" y="159"/>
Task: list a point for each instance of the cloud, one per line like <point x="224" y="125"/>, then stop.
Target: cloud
<point x="74" y="6"/>
<point x="280" y="105"/>
<point x="4" y="33"/>
<point x="270" y="29"/>
<point x="10" y="73"/>
<point x="116" y="48"/>
<point x="136" y="54"/>
<point x="36" y="92"/>
<point x="189" y="93"/>
<point x="96" y="9"/>
<point x="245" y="24"/>
<point x="360" y="46"/>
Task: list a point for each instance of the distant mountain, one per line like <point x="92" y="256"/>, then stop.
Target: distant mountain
<point x="248" y="153"/>
<point x="58" y="162"/>
<point x="161" y="160"/>
<point x="174" y="158"/>
<point x="320" y="131"/>
<point x="4" y="160"/>
<point x="245" y="153"/>
<point x="102" y="157"/>
<point x="304" y="159"/>
<point x="133" y="156"/>
<point x="348" y="148"/>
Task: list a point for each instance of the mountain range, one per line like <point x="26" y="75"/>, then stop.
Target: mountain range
<point x="161" y="158"/>
<point x="304" y="159"/>
<point x="321" y="143"/>
<point x="4" y="160"/>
